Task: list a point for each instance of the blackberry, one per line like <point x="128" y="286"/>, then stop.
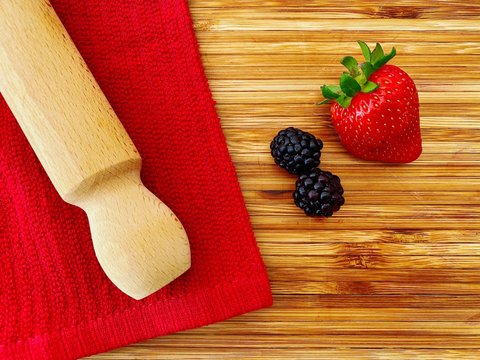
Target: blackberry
<point x="318" y="193"/>
<point x="296" y="151"/>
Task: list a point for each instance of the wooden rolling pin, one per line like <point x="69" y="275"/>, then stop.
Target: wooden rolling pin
<point x="85" y="150"/>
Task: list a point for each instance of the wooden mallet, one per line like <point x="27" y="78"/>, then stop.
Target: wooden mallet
<point x="86" y="152"/>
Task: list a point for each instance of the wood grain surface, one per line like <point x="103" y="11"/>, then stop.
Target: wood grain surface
<point x="396" y="273"/>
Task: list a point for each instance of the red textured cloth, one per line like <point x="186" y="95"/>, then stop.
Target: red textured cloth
<point x="55" y="301"/>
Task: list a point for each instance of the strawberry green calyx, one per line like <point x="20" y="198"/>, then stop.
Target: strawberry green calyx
<point x="356" y="79"/>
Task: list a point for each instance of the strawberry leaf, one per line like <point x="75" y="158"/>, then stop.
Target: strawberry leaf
<point x="344" y="101"/>
<point x="380" y="62"/>
<point x="349" y="86"/>
<point x="369" y="87"/>
<point x="351" y="64"/>
<point x="367" y="69"/>
<point x="365" y="50"/>
<point x="357" y="78"/>
<point x="377" y="54"/>
<point x="330" y="92"/>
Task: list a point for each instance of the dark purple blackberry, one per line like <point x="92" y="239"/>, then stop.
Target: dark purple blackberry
<point x="296" y="151"/>
<point x="318" y="193"/>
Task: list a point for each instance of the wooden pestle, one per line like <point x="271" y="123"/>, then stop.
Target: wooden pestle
<point x="86" y="152"/>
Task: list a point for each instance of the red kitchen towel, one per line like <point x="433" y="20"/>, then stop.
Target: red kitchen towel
<point x="55" y="301"/>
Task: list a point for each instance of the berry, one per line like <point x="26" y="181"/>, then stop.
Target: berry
<point x="318" y="193"/>
<point x="376" y="109"/>
<point x="296" y="151"/>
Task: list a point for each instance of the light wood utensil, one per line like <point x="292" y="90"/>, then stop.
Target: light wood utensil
<point x="85" y="150"/>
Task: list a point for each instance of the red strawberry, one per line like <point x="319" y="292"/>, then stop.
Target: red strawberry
<point x="375" y="109"/>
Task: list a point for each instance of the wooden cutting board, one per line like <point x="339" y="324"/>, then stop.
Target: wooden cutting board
<point x="396" y="273"/>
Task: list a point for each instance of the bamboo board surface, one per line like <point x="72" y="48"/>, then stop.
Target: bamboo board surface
<point x="396" y="273"/>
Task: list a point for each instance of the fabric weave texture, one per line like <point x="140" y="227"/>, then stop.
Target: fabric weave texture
<point x="55" y="300"/>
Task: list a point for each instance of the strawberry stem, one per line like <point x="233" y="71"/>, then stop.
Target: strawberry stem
<point x="356" y="79"/>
